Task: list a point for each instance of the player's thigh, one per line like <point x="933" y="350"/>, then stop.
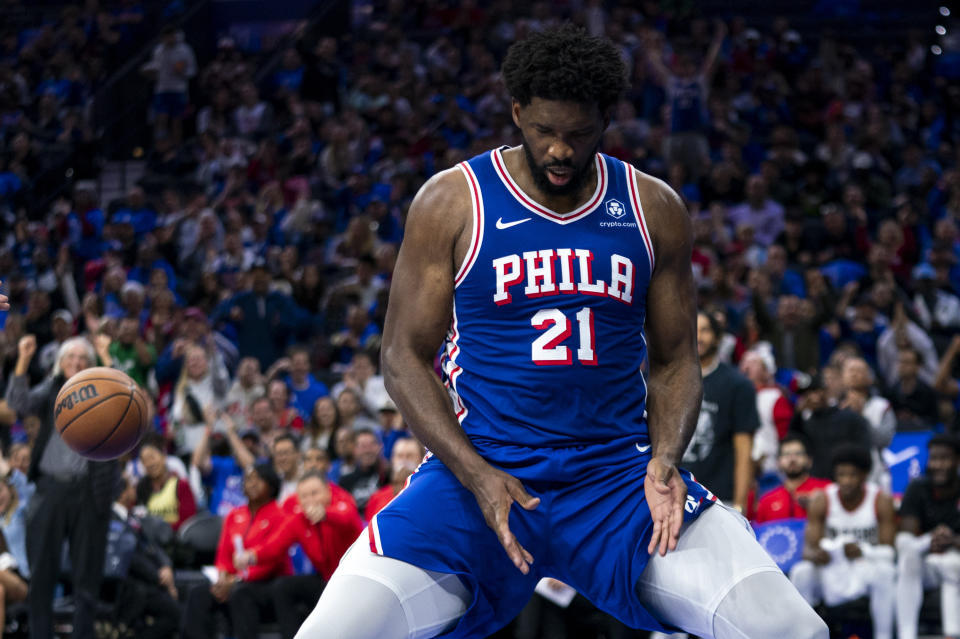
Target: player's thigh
<point x="714" y="553"/>
<point x="940" y="567"/>
<point x="377" y="597"/>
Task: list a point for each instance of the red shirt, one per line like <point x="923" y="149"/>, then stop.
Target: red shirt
<point x="254" y="531"/>
<point x="780" y="504"/>
<point x="378" y="500"/>
<point x="323" y="542"/>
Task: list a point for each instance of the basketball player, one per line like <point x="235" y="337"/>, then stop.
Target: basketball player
<point x="848" y="546"/>
<point x="537" y="268"/>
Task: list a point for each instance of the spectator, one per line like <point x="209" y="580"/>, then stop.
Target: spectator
<point x="263" y="319"/>
<point x="720" y="449"/>
<point x="324" y="421"/>
<point x="361" y="376"/>
<point x="860" y="398"/>
<point x="763" y="214"/>
<point x="285" y="415"/>
<point x="392" y="426"/>
<point x="58" y="473"/>
<point x="221" y="463"/>
<point x="253" y="117"/>
<point x="244" y="594"/>
<point x="15" y="495"/>
<point x="164" y="495"/>
<point x="12" y="584"/>
<point x="203" y="382"/>
<point x="172" y="65"/>
<point x="61" y="329"/>
<point x="286" y="461"/>
<point x="848" y="544"/>
<point x="791" y="499"/>
<point x="687" y="92"/>
<point x="316" y="459"/>
<point x="129" y="353"/>
<point x="247" y="387"/>
<point x="946" y="383"/>
<point x="358" y="334"/>
<point x="913" y="401"/>
<point x="826" y="427"/>
<point x="351" y="411"/>
<point x="305" y="390"/>
<point x="794" y="332"/>
<point x="148" y="584"/>
<point x="928" y="552"/>
<point x="370" y="468"/>
<point x="773" y="407"/>
<point x="325" y="528"/>
<point x="406" y="457"/>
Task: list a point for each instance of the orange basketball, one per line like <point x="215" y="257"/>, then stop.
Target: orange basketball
<point x="101" y="413"/>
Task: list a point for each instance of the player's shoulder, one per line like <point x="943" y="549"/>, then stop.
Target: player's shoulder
<point x="442" y="202"/>
<point x="654" y="193"/>
<point x="665" y="213"/>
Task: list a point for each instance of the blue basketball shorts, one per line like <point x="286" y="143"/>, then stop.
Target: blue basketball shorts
<point x="591" y="530"/>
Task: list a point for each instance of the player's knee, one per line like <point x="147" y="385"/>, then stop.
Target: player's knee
<point x="909" y="554"/>
<point x="949" y="564"/>
<point x="737" y="616"/>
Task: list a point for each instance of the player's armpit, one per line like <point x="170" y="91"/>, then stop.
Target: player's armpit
<point x="675" y="386"/>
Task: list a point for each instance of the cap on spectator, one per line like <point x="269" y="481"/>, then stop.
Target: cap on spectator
<point x="387" y="405"/>
<point x="250" y="433"/>
<point x="924" y="271"/>
<point x="194" y="313"/>
<point x="63" y="314"/>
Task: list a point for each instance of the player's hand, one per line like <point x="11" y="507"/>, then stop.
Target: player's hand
<point x="941" y="538"/>
<point x="315" y="513"/>
<point x="852" y="550"/>
<point x="666" y="494"/>
<point x="221" y="589"/>
<point x="26" y="347"/>
<point x="165" y="577"/>
<point x="244" y="559"/>
<point x="495" y="492"/>
<point x="820" y="557"/>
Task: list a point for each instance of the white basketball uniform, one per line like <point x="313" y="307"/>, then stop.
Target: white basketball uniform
<point x="843" y="579"/>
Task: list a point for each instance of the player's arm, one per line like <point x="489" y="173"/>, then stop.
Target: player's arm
<point x="886" y="520"/>
<point x="418" y="316"/>
<point x="944" y="382"/>
<point x="675" y="387"/>
<point x="816" y="521"/>
<point x="742" y="469"/>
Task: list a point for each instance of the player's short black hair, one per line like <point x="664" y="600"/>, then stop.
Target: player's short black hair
<point x="154" y="440"/>
<point x="565" y="63"/>
<point x="854" y="455"/>
<point x="795" y="438"/>
<point x="715" y="326"/>
<point x="286" y="437"/>
<point x="945" y="439"/>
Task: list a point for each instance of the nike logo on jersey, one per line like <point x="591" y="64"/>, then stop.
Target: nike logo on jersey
<point x="642" y="449"/>
<point x="505" y="225"/>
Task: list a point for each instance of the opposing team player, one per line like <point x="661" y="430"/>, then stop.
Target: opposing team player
<point x="848" y="546"/>
<point x="536" y="268"/>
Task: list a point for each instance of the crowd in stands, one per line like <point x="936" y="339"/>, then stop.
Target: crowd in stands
<point x="243" y="282"/>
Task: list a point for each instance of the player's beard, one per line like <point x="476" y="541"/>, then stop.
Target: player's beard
<point x="795" y="474"/>
<point x="539" y="172"/>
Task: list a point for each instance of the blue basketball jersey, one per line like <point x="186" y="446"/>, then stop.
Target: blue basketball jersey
<point x="547" y="342"/>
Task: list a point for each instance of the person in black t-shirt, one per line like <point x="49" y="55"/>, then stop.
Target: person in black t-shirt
<point x="826" y="426"/>
<point x="719" y="454"/>
<point x="928" y="544"/>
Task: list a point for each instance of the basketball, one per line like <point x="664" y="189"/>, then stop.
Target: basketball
<point x="101" y="413"/>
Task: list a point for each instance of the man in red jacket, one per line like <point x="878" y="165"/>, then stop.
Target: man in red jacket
<point x="790" y="500"/>
<point x="245" y="592"/>
<point x="324" y="526"/>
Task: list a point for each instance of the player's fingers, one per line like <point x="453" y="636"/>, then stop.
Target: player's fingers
<point x="664" y="538"/>
<point x="526" y="555"/>
<point x="522" y="497"/>
<point x="675" y="523"/>
<point x="654" y="538"/>
<point x="509" y="543"/>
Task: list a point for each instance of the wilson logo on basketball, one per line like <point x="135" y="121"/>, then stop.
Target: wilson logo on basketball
<point x="78" y="396"/>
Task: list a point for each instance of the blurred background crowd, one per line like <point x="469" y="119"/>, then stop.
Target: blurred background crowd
<point x="219" y="217"/>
